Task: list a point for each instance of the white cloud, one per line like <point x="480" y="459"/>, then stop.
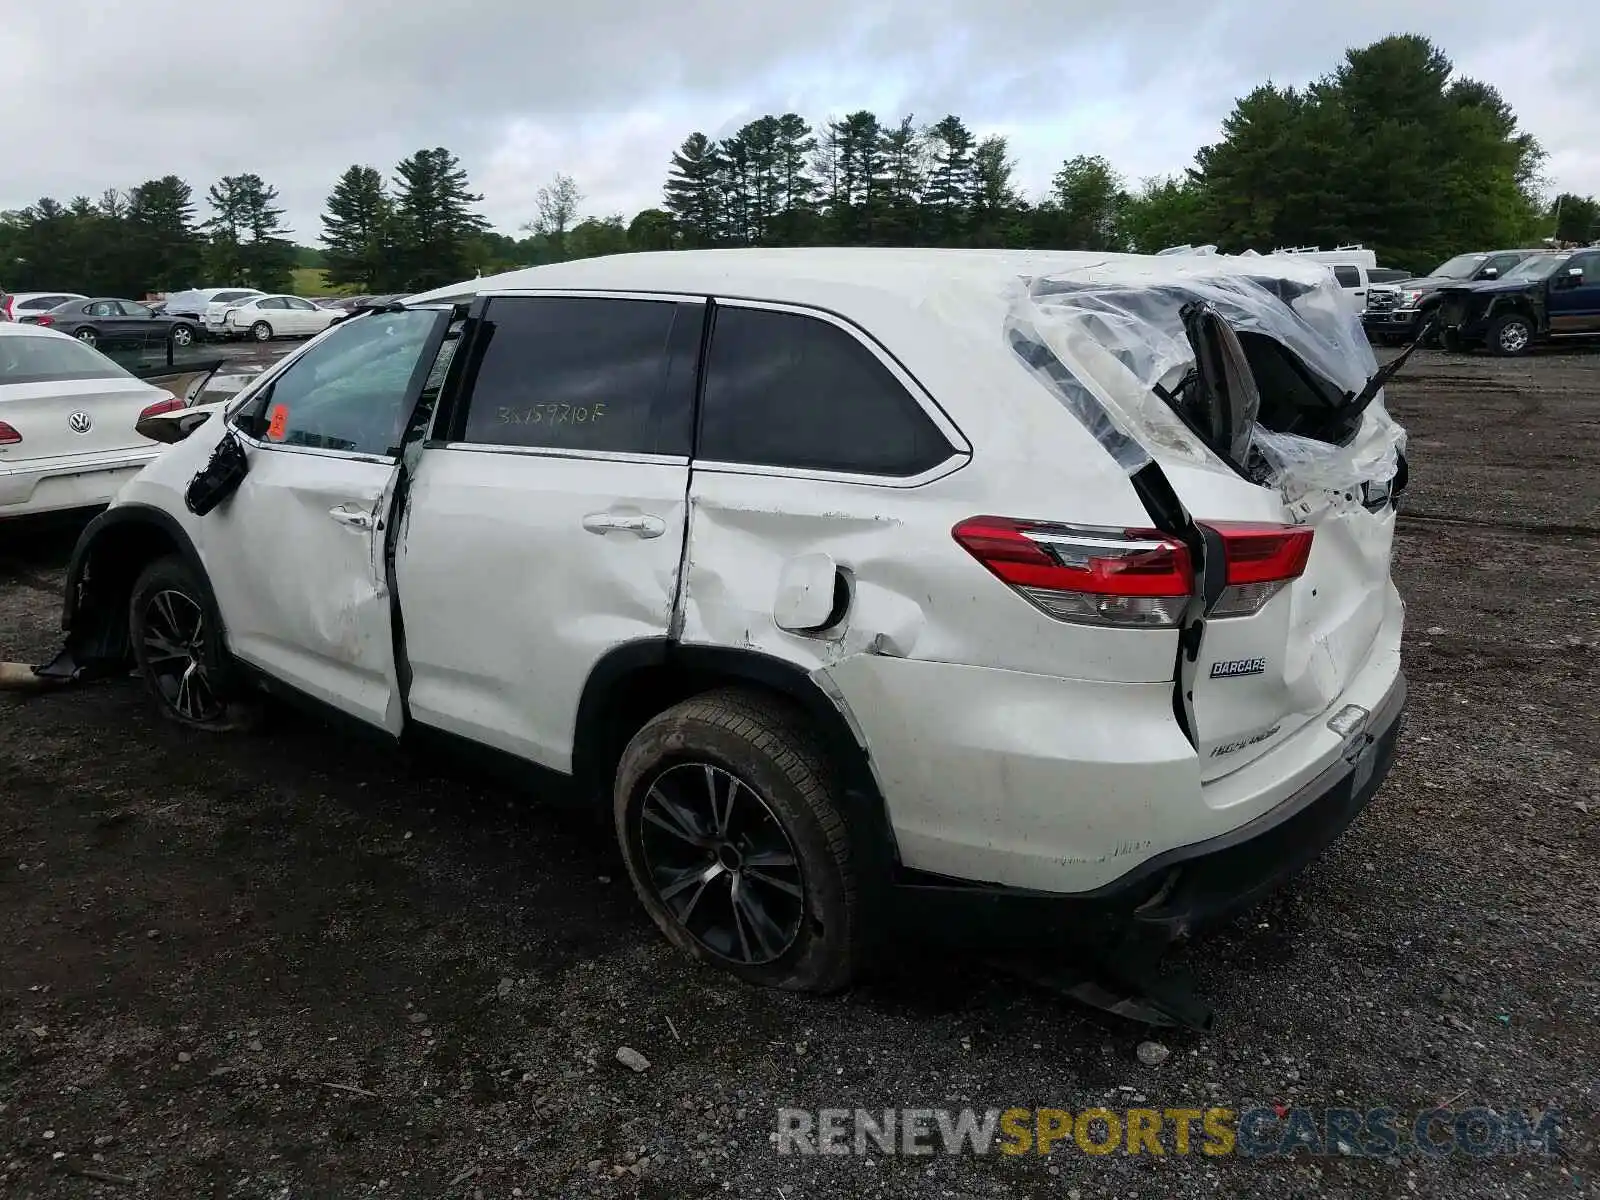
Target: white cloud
<point x="606" y="90"/>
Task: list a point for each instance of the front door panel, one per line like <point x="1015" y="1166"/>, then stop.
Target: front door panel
<point x="295" y="560"/>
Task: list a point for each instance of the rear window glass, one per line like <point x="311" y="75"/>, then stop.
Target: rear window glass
<point x="226" y="296"/>
<point x="28" y="359"/>
<point x="788" y="390"/>
<point x="1347" y="276"/>
<point x="582" y="373"/>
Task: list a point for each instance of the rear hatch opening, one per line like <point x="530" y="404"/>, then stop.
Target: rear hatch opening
<point x="1244" y="403"/>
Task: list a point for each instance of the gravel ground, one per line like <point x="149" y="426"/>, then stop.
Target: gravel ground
<point x="290" y="965"/>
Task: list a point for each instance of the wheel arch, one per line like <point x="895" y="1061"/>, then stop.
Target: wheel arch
<point x="109" y="555"/>
<point x="636" y="681"/>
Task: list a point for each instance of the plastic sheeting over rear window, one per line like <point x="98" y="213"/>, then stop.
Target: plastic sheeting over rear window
<point x="1107" y="340"/>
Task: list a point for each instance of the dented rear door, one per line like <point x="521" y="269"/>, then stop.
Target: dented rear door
<point x="544" y="523"/>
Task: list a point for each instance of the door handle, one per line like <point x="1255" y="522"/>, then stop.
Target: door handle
<point x="356" y="518"/>
<point x="644" y="525"/>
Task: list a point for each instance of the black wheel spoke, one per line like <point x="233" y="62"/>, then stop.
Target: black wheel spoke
<point x="674" y="819"/>
<point x="783" y="885"/>
<point x="769" y="858"/>
<point x="749" y="914"/>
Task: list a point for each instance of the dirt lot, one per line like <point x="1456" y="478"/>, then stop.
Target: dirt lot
<point x="291" y="965"/>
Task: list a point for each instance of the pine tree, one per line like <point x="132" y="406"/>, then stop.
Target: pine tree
<point x="357" y="230"/>
<point x="165" y="246"/>
<point x="434" y="221"/>
<point x="248" y="245"/>
<point x="692" y="194"/>
<point x="996" y="204"/>
<point x="905" y="172"/>
<point x="948" y="198"/>
<point x="795" y="223"/>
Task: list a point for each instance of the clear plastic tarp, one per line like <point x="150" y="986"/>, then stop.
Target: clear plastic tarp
<point x="1108" y="339"/>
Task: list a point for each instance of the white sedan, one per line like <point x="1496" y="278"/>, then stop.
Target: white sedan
<point x="67" y="416"/>
<point x="262" y="318"/>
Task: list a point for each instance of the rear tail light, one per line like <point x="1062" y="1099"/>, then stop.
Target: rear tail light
<point x="8" y="435"/>
<point x="44" y="320"/>
<point x="1262" y="560"/>
<point x="161" y="406"/>
<point x="1133" y="578"/>
<point x="1129" y="578"/>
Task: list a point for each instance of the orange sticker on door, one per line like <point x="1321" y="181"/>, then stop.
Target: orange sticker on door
<point x="278" y="423"/>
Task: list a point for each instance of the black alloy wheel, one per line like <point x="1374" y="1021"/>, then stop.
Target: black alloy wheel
<point x="721" y="863"/>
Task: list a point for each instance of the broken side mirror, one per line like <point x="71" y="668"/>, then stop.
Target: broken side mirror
<point x="219" y="478"/>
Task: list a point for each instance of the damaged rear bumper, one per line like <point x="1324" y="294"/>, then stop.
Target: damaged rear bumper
<point x="1176" y="892"/>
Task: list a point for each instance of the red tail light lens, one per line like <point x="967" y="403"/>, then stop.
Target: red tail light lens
<point x="161" y="406"/>
<point x="1263" y="559"/>
<point x="44" y="319"/>
<point x="8" y="435"/>
<point x="1133" y="578"/>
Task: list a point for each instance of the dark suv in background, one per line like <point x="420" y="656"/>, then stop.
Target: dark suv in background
<point x="1545" y="295"/>
<point x="1397" y="312"/>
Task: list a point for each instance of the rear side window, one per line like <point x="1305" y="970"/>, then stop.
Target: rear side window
<point x="50" y="359"/>
<point x="1347" y="276"/>
<point x="788" y="390"/>
<point x="584" y="373"/>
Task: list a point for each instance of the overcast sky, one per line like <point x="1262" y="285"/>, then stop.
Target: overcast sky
<point x="605" y="90"/>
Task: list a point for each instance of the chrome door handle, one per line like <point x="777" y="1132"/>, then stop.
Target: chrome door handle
<point x="354" y="517"/>
<point x="645" y="525"/>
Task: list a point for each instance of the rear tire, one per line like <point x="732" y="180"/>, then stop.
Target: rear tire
<point x="88" y="336"/>
<point x="178" y="649"/>
<point x="1510" y="336"/>
<point x="261" y="331"/>
<point x="183" y="335"/>
<point x="726" y="812"/>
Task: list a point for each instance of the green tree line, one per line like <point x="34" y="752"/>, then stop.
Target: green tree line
<point x="1391" y="149"/>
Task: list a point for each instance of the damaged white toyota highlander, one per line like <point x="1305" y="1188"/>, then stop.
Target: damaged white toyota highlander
<point x="860" y="586"/>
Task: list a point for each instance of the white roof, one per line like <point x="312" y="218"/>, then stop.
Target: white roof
<point x="811" y="275"/>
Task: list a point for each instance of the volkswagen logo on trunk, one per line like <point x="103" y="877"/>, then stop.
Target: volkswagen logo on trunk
<point x="80" y="422"/>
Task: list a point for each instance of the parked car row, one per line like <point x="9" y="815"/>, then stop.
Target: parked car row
<point x="184" y="317"/>
<point x="1504" y="301"/>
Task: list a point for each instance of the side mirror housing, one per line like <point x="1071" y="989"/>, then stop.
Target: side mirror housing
<point x="1491" y="272"/>
<point x="174" y="426"/>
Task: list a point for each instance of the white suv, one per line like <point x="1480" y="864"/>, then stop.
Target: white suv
<point x="857" y="583"/>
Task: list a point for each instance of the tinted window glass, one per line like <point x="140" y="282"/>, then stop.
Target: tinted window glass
<point x="786" y="390"/>
<point x="102" y="308"/>
<point x="1347" y="276"/>
<point x="42" y="303"/>
<point x="47" y="359"/>
<point x="226" y="296"/>
<point x="578" y="373"/>
<point x="1589" y="264"/>
<point x="348" y="392"/>
<point x="130" y="309"/>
